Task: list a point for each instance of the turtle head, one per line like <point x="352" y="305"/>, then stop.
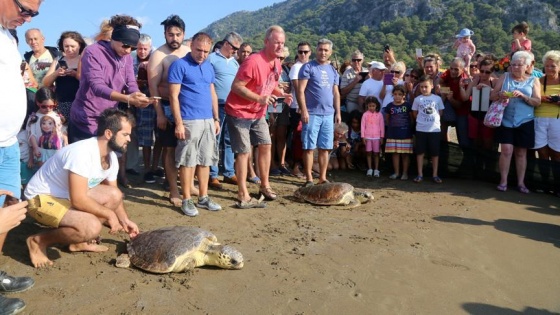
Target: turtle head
<point x="363" y="196"/>
<point x="229" y="258"/>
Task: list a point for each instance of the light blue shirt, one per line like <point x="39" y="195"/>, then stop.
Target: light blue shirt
<point x="225" y="70"/>
<point x="518" y="111"/>
<point x="319" y="96"/>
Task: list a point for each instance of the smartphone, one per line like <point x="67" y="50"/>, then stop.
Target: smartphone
<point x="280" y="99"/>
<point x="444" y="90"/>
<point x="364" y="75"/>
<point x="418" y="52"/>
<point x="10" y="200"/>
<point x="62" y="63"/>
<point x="386" y="47"/>
<point x="388" y="78"/>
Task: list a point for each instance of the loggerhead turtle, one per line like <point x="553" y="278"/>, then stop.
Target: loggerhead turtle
<point x="178" y="249"/>
<point x="329" y="194"/>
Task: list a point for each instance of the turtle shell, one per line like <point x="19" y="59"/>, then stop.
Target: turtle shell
<point x="326" y="194"/>
<point x="159" y="250"/>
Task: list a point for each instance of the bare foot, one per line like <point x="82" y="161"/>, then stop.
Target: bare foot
<point x="38" y="253"/>
<point x="176" y="201"/>
<point x="87" y="247"/>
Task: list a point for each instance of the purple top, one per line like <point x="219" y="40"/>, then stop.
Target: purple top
<point x="103" y="72"/>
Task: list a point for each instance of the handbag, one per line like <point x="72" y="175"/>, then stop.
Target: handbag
<point x="495" y="113"/>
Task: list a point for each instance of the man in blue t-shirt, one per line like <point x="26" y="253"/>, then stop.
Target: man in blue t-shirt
<point x="194" y="105"/>
<point x="319" y="102"/>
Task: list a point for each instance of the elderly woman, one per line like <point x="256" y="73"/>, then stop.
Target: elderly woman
<point x="398" y="70"/>
<point x="63" y="71"/>
<point x="517" y="132"/>
<point x="547" y="122"/>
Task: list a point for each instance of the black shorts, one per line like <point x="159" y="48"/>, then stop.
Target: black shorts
<point x="167" y="136"/>
<point x="427" y="141"/>
<point x="522" y="136"/>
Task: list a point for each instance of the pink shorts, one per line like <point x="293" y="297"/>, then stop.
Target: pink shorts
<point x="373" y="145"/>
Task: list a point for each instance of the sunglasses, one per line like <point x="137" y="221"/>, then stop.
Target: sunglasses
<point x="125" y="46"/>
<point x="303" y="52"/>
<point x="395" y="72"/>
<point x="47" y="106"/>
<point x="486" y="71"/>
<point x="473" y="66"/>
<point x="356" y="60"/>
<point x="232" y="46"/>
<point x="24" y="11"/>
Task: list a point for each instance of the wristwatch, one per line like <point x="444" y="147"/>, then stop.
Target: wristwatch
<point x="217" y="119"/>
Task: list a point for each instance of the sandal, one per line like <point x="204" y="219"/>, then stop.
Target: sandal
<point x="254" y="180"/>
<point x="417" y="179"/>
<point x="308" y="184"/>
<point x="523" y="189"/>
<point x="268" y="193"/>
<point x="502" y="188"/>
<point x="252" y="203"/>
<point x="324" y="182"/>
<point x="437" y="180"/>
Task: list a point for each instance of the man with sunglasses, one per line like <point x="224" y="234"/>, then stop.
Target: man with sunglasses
<point x="13" y="13"/>
<point x="225" y="68"/>
<point x="352" y="80"/>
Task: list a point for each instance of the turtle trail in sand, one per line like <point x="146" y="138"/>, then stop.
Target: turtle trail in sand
<point x="330" y="194"/>
<point x="178" y="249"/>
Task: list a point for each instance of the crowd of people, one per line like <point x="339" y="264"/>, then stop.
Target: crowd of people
<point x="77" y="117"/>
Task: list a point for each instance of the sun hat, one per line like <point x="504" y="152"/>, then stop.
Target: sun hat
<point x="377" y="65"/>
<point x="464" y="33"/>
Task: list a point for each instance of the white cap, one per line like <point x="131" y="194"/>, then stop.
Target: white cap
<point x="377" y="65"/>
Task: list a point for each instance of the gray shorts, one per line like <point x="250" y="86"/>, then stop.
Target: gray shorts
<point x="246" y="133"/>
<point x="199" y="147"/>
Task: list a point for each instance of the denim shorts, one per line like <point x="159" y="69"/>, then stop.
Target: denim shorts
<point x="10" y="178"/>
<point x="318" y="133"/>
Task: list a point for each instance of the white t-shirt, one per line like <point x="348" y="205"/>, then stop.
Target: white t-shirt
<point x="371" y="87"/>
<point x="428" y="107"/>
<point x="294" y="72"/>
<point x="40" y="66"/>
<point x="23" y="146"/>
<point x="389" y="94"/>
<point x="82" y="158"/>
<point x="34" y="129"/>
<point x="13" y="100"/>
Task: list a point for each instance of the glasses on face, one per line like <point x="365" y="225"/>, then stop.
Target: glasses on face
<point x="473" y="66"/>
<point x="356" y="60"/>
<point x="24" y="11"/>
<point x="232" y="46"/>
<point x="125" y="46"/>
<point x="303" y="52"/>
<point x="395" y="72"/>
<point x="46" y="106"/>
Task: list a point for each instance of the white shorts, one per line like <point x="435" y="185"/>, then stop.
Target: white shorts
<point x="547" y="133"/>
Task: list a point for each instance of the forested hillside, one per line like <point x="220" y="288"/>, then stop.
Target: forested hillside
<point x="404" y="24"/>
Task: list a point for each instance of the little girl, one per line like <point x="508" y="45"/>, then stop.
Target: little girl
<point x="373" y="132"/>
<point x="520" y="40"/>
<point x="341" y="148"/>
<point x="465" y="47"/>
<point x="398" y="115"/>
<point x="45" y="128"/>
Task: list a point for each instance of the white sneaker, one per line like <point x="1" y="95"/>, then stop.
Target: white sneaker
<point x="189" y="208"/>
<point x="206" y="203"/>
<point x="369" y="172"/>
<point x="376" y="173"/>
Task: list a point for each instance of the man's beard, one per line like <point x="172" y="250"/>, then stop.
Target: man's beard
<point x="115" y="147"/>
<point x="169" y="44"/>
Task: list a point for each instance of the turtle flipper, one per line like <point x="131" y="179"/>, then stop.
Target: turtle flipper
<point x="123" y="261"/>
<point x="352" y="204"/>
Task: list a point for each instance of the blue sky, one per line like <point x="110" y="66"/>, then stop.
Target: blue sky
<point x="85" y="16"/>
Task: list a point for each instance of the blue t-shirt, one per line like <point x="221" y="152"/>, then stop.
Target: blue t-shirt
<point x="319" y="96"/>
<point x="399" y="125"/>
<point x="195" y="98"/>
<point x="225" y="71"/>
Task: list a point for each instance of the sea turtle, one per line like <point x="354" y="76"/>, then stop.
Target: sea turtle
<point x="178" y="249"/>
<point x="329" y="194"/>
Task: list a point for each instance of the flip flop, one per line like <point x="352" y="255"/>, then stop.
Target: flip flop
<point x="437" y="180"/>
<point x="502" y="188"/>
<point x="252" y="203"/>
<point x="254" y="180"/>
<point x="523" y="189"/>
<point x="418" y="179"/>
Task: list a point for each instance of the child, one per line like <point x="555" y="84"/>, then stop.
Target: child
<point x="427" y="110"/>
<point x="520" y="40"/>
<point x="46" y="101"/>
<point x="398" y="115"/>
<point x="337" y="158"/>
<point x="354" y="139"/>
<point x="373" y="132"/>
<point x="465" y="47"/>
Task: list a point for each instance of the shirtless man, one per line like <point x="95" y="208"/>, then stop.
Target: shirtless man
<point x="160" y="60"/>
<point x="76" y="192"/>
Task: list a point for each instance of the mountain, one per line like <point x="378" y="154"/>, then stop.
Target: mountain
<point x="404" y="24"/>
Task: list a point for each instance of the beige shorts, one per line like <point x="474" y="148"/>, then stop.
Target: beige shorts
<point x="48" y="210"/>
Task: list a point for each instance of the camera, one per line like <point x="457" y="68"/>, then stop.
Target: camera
<point x="554" y="98"/>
